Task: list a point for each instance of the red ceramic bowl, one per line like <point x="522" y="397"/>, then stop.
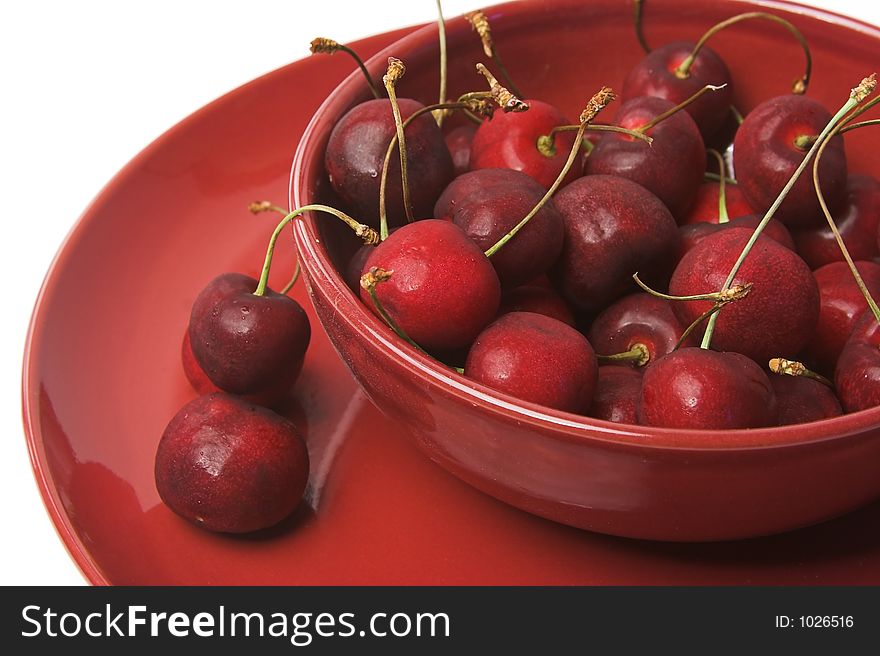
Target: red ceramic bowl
<point x="682" y="485"/>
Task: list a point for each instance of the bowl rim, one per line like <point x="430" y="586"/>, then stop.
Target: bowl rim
<point x="557" y="424"/>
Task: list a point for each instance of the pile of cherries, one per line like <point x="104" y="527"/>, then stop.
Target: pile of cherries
<point x="615" y="270"/>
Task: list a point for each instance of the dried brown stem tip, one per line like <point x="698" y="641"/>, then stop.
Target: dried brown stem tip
<point x="374" y="276"/>
<point x="501" y="95"/>
<point x="367" y="234"/>
<point x="325" y="46"/>
<point x="396" y="70"/>
<point x="785" y="367"/>
<point x="597" y="103"/>
<point x="480" y="24"/>
<point x="260" y="206"/>
<point x="865" y="88"/>
<point x="735" y="293"/>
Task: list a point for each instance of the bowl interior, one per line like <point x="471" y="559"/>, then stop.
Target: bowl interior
<point x="562" y="52"/>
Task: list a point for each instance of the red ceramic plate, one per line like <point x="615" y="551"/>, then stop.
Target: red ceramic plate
<point x="102" y="377"/>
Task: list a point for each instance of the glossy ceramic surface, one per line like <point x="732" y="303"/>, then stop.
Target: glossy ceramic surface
<point x="102" y="377"/>
<point x="630" y="481"/>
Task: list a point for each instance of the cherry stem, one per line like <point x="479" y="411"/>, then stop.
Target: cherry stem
<point x="638" y="354"/>
<point x="737" y="115"/>
<point x="604" y="96"/>
<point x="329" y="46"/>
<point x="673" y="110"/>
<point x="293" y="280"/>
<point x="856" y="126"/>
<point x="833" y="225"/>
<point x="369" y="281"/>
<point x="723" y="217"/>
<point x="547" y="142"/>
<point x="396" y="70"/>
<point x="805" y="141"/>
<point x="480" y="23"/>
<point x="637" y="20"/>
<point x="708" y="175"/>
<point x="785" y="367"/>
<point x="365" y="232"/>
<point x="696" y="322"/>
<point x="856" y="96"/>
<point x="734" y="293"/>
<point x="439" y="115"/>
<point x="258" y="207"/>
<point x="799" y="86"/>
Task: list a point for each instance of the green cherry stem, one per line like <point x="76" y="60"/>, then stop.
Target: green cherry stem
<point x="696" y="322"/>
<point x="723" y="217"/>
<point x="258" y="207"/>
<point x="637" y="21"/>
<point x="799" y="86"/>
<point x="604" y="96"/>
<point x="326" y="46"/>
<point x="856" y="96"/>
<point x="369" y="281"/>
<point x="716" y="178"/>
<point x="365" y="232"/>
<point x="784" y="367"/>
<point x="638" y="354"/>
<point x="441" y="29"/>
<point x="734" y="293"/>
<point x="684" y="103"/>
<point x="395" y="71"/>
<point x="289" y="285"/>
<point x="547" y="142"/>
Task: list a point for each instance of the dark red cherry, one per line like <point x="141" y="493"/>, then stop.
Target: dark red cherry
<point x="841" y="303"/>
<point x="617" y="395"/>
<point x="231" y="466"/>
<point x="356" y="152"/>
<point x="655" y="76"/>
<point x="780" y="312"/>
<point x="613" y="229"/>
<point x="539" y="299"/>
<point x="443" y="290"/>
<point x="459" y="141"/>
<point x="637" y="319"/>
<point x="858" y="220"/>
<point x="535" y="358"/>
<point x="671" y="167"/>
<point x="857" y="375"/>
<point x="766" y="154"/>
<point x="693" y="233"/>
<point x="705" y="207"/>
<point x="248" y="344"/>
<point x="803" y="399"/>
<point x="709" y="390"/>
<point x="509" y="141"/>
<point x="488" y="203"/>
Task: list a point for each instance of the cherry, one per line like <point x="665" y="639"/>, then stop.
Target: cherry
<point x="355" y="156"/>
<point x="857" y="375"/>
<point x="442" y="290"/>
<point x="655" y="75"/>
<point x="231" y="466"/>
<point x="693" y="233"/>
<point x="705" y="207"/>
<point x="771" y="143"/>
<point x="639" y="321"/>
<point x="509" y="141"/>
<point x="858" y="220"/>
<point x="537" y="359"/>
<point x="459" y="142"/>
<point x="841" y="303"/>
<point x="705" y="389"/>
<point x="488" y="203"/>
<point x="781" y="310"/>
<point x="537" y="298"/>
<point x="617" y="395"/>
<point x="671" y="167"/>
<point x="248" y="343"/>
<point x="802" y="399"/>
<point x="613" y="229"/>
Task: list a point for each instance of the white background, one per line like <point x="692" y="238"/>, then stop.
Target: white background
<point x="69" y="73"/>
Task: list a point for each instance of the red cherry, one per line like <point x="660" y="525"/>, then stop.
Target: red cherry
<point x="613" y="229"/>
<point x="655" y="76"/>
<point x="841" y="303"/>
<point x="617" y="395"/>
<point x="356" y="152"/>
<point x="509" y="141"/>
<point x="709" y="390"/>
<point x="692" y="234"/>
<point x="671" y="167"/>
<point x="705" y="207"/>
<point x="780" y="312"/>
<point x="442" y="291"/>
<point x="488" y="203"/>
<point x="765" y="155"/>
<point x="228" y="465"/>
<point x="459" y="142"/>
<point x="539" y="299"/>
<point x="802" y="399"/>
<point x="248" y="344"/>
<point x="857" y="375"/>
<point x="537" y="359"/>
<point x="858" y="220"/>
